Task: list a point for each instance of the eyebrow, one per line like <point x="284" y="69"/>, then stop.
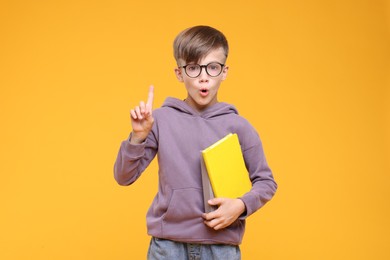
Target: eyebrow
<point x="192" y="63"/>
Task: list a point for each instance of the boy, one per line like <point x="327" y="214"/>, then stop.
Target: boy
<point x="177" y="132"/>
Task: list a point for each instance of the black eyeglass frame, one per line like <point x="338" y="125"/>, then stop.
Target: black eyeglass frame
<point x="201" y="68"/>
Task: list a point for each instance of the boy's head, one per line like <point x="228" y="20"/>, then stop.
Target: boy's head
<point x="194" y="43"/>
<point x="201" y="53"/>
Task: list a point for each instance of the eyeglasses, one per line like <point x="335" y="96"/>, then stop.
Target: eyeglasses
<point x="213" y="69"/>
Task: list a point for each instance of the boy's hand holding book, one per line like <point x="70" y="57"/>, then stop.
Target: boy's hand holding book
<point x="228" y="211"/>
<point x="142" y="119"/>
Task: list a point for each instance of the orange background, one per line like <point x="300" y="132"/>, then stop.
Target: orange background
<point x="311" y="76"/>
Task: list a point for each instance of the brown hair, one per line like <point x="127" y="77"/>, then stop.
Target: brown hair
<point x="194" y="43"/>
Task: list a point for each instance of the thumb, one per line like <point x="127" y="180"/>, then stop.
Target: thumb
<point x="215" y="201"/>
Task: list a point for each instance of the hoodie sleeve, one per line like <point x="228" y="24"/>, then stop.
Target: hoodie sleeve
<point x="263" y="183"/>
<point x="132" y="159"/>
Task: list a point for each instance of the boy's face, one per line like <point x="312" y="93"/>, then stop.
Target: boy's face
<point x="202" y="90"/>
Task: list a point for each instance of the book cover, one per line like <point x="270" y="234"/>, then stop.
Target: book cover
<point x="225" y="168"/>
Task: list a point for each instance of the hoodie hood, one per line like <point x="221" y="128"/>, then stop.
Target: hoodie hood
<point x="216" y="110"/>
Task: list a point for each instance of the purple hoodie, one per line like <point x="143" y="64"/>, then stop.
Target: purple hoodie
<point x="178" y="135"/>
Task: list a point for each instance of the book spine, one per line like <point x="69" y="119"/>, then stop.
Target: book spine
<point x="207" y="189"/>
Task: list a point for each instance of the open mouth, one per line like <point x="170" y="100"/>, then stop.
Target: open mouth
<point x="204" y="91"/>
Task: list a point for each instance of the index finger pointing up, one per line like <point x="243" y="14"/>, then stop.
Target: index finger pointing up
<point x="149" y="103"/>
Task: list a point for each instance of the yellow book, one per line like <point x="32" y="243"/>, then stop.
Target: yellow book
<point x="226" y="169"/>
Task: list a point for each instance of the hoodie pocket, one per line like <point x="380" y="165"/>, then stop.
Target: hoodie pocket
<point x="184" y="212"/>
<point x="184" y="204"/>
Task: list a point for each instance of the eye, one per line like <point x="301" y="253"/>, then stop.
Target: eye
<point x="193" y="67"/>
<point x="214" y="66"/>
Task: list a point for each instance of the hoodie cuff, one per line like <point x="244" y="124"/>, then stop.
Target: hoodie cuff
<point x="251" y="205"/>
<point x="134" y="151"/>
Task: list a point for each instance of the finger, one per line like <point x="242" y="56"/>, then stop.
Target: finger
<point x="207" y="216"/>
<point x="142" y="107"/>
<point x="133" y="114"/>
<point x="214" y="223"/>
<point x="220" y="226"/>
<point x="215" y="201"/>
<point x="211" y="215"/>
<point x="149" y="102"/>
<point x="138" y="112"/>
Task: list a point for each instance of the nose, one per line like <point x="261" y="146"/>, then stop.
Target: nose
<point x="203" y="76"/>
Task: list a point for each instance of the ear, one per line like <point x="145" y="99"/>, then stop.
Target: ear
<point x="225" y="72"/>
<point x="179" y="74"/>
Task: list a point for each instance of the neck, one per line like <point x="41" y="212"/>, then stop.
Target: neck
<point x="199" y="107"/>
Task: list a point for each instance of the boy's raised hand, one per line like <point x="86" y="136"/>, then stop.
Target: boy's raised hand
<point x="142" y="119"/>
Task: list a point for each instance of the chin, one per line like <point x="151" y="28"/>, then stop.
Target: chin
<point x="206" y="104"/>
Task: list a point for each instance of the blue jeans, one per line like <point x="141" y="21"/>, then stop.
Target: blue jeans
<point x="162" y="249"/>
